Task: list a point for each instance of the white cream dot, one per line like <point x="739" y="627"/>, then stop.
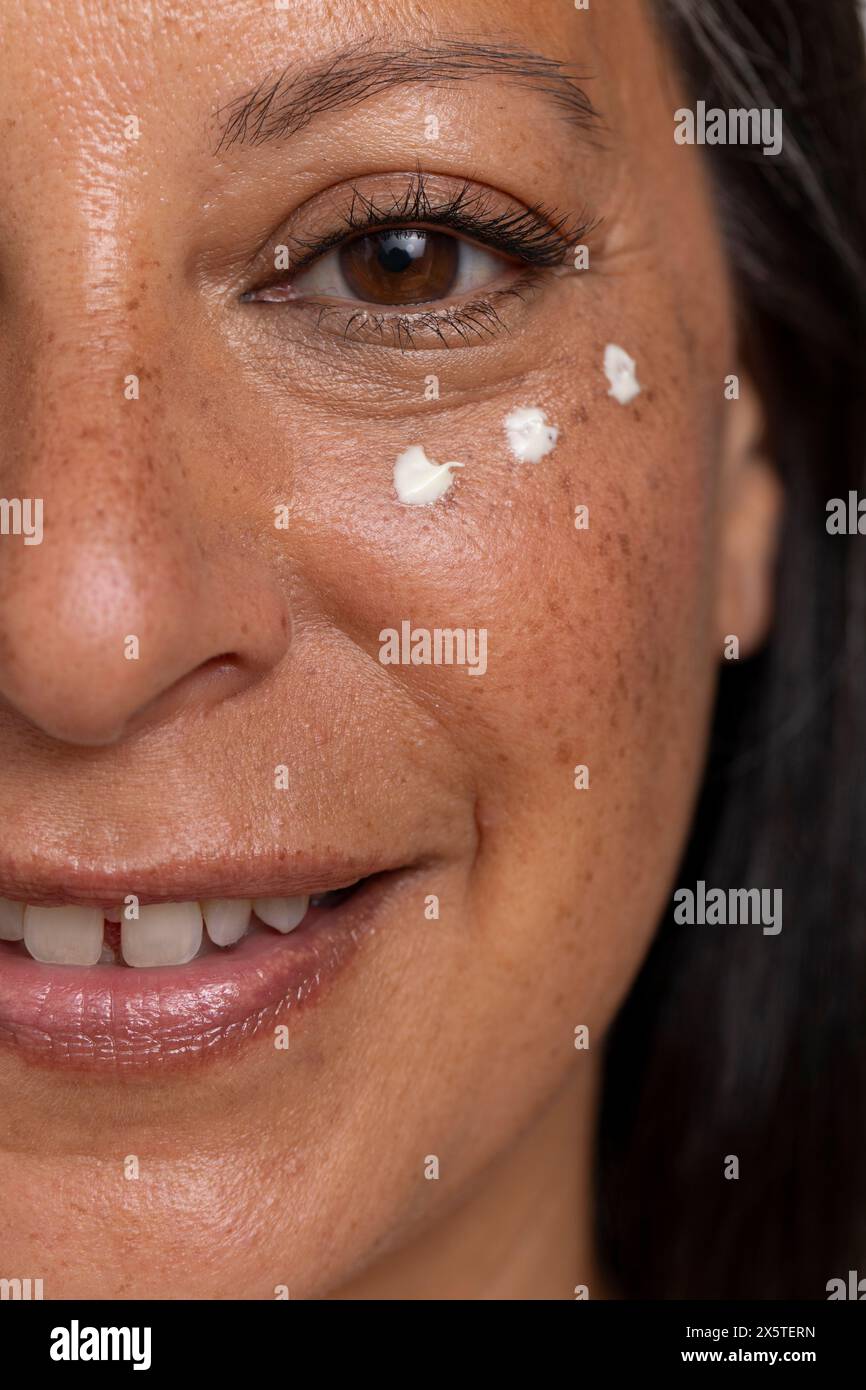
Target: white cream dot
<point x="620" y="370"/>
<point x="530" y="437"/>
<point x="418" y="481"/>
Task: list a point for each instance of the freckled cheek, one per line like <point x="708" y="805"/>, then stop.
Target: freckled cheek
<point x="597" y="621"/>
<point x="590" y="633"/>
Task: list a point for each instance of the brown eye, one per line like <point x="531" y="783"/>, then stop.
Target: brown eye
<point x="395" y="267"/>
<point x="401" y="266"/>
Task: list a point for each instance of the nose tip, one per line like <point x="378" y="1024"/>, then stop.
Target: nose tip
<point x="93" y="649"/>
<point x="92" y="700"/>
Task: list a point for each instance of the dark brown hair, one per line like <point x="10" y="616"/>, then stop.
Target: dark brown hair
<point x="733" y="1042"/>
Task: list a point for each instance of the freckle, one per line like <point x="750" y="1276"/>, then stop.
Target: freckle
<point x="132" y="305"/>
<point x="624" y="543"/>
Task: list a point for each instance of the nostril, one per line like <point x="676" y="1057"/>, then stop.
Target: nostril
<point x="212" y="681"/>
<point x="226" y="664"/>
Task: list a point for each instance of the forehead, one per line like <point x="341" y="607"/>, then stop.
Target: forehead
<point x="197" y="61"/>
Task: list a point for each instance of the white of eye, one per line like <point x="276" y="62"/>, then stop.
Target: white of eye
<point x="476" y="269"/>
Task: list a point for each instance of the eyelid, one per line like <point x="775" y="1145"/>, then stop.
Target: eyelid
<point x="534" y="234"/>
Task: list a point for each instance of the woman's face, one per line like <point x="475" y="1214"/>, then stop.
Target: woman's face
<point x="213" y="435"/>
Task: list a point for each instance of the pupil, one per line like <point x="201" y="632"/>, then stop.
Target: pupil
<point x="397" y="250"/>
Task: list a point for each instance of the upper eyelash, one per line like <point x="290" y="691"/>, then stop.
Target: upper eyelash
<point x="536" y="235"/>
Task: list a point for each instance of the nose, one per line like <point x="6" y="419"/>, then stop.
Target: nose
<point x="141" y="599"/>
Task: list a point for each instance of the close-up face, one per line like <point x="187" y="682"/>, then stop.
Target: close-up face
<point x="342" y="790"/>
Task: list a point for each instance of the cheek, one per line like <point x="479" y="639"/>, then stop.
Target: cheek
<point x="599" y="651"/>
<point x="603" y="707"/>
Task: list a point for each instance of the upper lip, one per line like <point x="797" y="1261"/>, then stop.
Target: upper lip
<point x="277" y="873"/>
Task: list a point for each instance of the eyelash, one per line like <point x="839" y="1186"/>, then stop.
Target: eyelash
<point x="478" y="318"/>
<point x="539" y="237"/>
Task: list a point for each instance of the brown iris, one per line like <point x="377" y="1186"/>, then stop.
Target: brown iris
<point x="401" y="266"/>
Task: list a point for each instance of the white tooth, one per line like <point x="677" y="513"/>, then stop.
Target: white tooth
<point x="64" y="935"/>
<point x="226" y="919"/>
<point x="165" y="934"/>
<point x="282" y="913"/>
<point x="11" y="920"/>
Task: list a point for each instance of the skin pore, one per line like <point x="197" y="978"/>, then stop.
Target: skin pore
<point x="125" y="253"/>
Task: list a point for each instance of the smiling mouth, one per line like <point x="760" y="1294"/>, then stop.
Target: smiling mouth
<point x="97" y="986"/>
<point x="159" y="934"/>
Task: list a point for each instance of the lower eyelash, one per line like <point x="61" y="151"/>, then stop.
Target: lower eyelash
<point x="478" y="318"/>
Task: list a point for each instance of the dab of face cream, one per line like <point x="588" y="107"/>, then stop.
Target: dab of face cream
<point x="530" y="437"/>
<point x="619" y="369"/>
<point x="417" y="480"/>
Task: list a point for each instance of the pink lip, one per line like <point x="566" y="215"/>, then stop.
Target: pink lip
<point x="273" y="875"/>
<point x="114" y="1017"/>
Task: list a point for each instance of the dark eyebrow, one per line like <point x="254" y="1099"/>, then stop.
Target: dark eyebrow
<point x="282" y="105"/>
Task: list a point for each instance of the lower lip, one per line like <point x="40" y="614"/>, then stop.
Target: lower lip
<point x="117" y="1017"/>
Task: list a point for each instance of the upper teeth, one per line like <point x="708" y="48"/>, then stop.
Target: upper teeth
<point x="162" y="934"/>
<point x="64" y="935"/>
<point x="165" y="934"/>
<point x="226" y="919"/>
<point x="282" y="913"/>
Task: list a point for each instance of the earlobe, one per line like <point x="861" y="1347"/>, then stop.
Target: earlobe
<point x="751" y="503"/>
